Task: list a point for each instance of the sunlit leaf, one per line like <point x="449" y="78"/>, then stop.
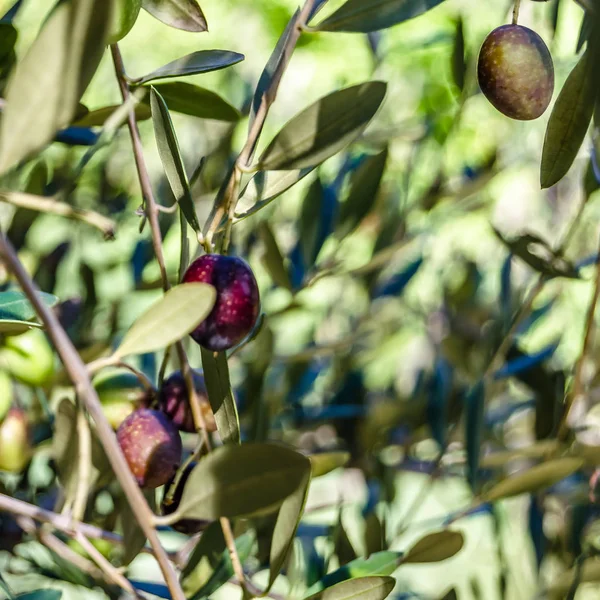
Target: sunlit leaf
<point x="61" y="61"/>
<point x="220" y="395"/>
<point x="234" y="481"/>
<point x="569" y="121"/>
<point x="435" y="547"/>
<point x="97" y="118"/>
<point x="169" y="319"/>
<point x="363" y="16"/>
<point x="189" y="99"/>
<point x="201" y="61"/>
<point x="181" y="14"/>
<point x="325" y="462"/>
<point x="365" y="588"/>
<point x="324" y="128"/>
<point x="538" y="477"/>
<point x="170" y="155"/>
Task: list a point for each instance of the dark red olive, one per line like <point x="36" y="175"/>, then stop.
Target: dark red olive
<point x="515" y="72"/>
<point x="152" y="446"/>
<point x="237" y="305"/>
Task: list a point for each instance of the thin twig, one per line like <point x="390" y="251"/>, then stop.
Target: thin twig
<point x="53" y="206"/>
<point x="79" y="376"/>
<point x="515" y="16"/>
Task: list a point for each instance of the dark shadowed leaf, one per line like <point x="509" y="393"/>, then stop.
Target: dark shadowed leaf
<point x="41" y="595"/>
<point x="538" y="477"/>
<point x="97" y="118"/>
<point x="8" y="38"/>
<point x="264" y="187"/>
<point x="202" y="61"/>
<point x="181" y="14"/>
<point x="325" y="462"/>
<point x="364" y="184"/>
<point x="365" y="588"/>
<point x="133" y="536"/>
<point x="324" y="128"/>
<point x="190" y="99"/>
<point x="14" y="306"/>
<point x="380" y="563"/>
<point x="569" y="121"/>
<point x="458" y="55"/>
<point x="220" y="395"/>
<point x="310" y="222"/>
<point x="538" y="254"/>
<point x="525" y="362"/>
<point x="209" y="566"/>
<point x="235" y="481"/>
<point x="273" y="259"/>
<point x="61" y="61"/>
<point x="286" y="525"/>
<point x="169" y="319"/>
<point x="271" y="75"/>
<point x="435" y="547"/>
<point x="363" y="16"/>
<point x="474" y="423"/>
<point x="170" y="155"/>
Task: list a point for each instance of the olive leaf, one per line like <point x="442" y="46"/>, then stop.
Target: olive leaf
<point x="364" y="16"/>
<point x="97" y="118"/>
<point x="365" y="588"/>
<point x="236" y="481"/>
<point x="15" y="306"/>
<point x="541" y="476"/>
<point x="201" y="61"/>
<point x="61" y="61"/>
<point x="324" y="128"/>
<point x="133" y="536"/>
<point x="180" y="14"/>
<point x="380" y="564"/>
<point x="474" y="423"/>
<point x="195" y="101"/>
<point x="325" y="462"/>
<point x="273" y="259"/>
<point x="170" y="155"/>
<point x="220" y="395"/>
<point x="435" y="547"/>
<point x="569" y="120"/>
<point x="169" y="319"/>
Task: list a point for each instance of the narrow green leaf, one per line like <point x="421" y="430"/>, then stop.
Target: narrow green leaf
<point x="273" y="259"/>
<point x="202" y="61"/>
<point x="309" y="226"/>
<point x="324" y="128"/>
<point x="133" y="536"/>
<point x="569" y="121"/>
<point x="236" y="481"/>
<point x="364" y="185"/>
<point x="538" y="477"/>
<point x="10" y="327"/>
<point x="170" y="155"/>
<point x="222" y="402"/>
<point x="8" y="57"/>
<point x="41" y="595"/>
<point x="435" y="547"/>
<point x="380" y="564"/>
<point x="539" y="255"/>
<point x="365" y="16"/>
<point x="474" y="424"/>
<point x="288" y="519"/>
<point x="181" y="14"/>
<point x="458" y="56"/>
<point x="6" y="589"/>
<point x="264" y="187"/>
<point x="14" y="306"/>
<point x="196" y="101"/>
<point x="169" y="319"/>
<point x="61" y="61"/>
<point x="97" y="118"/>
<point x="363" y="588"/>
<point x="325" y="462"/>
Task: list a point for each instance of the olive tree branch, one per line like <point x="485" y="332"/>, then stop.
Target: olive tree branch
<point x="151" y="211"/>
<point x="79" y="376"/>
<point x="225" y="207"/>
<point x="53" y="206"/>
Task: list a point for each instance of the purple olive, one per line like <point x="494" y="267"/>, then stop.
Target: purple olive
<point x="173" y="400"/>
<point x="515" y="72"/>
<point x="237" y="304"/>
<point x="151" y="445"/>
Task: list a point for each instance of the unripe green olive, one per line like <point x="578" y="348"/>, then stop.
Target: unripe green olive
<point x="125" y="14"/>
<point x="120" y="393"/>
<point x="15" y="441"/>
<point x="6" y="393"/>
<point x="28" y="357"/>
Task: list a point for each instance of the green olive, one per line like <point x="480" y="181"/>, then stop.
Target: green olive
<point x="15" y="441"/>
<point x="6" y="393"/>
<point x="124" y="17"/>
<point x="28" y="357"/>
